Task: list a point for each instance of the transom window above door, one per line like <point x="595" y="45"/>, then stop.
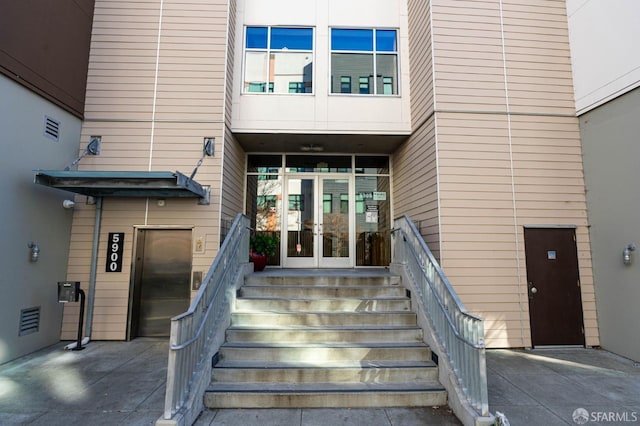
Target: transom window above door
<point x="278" y="60"/>
<point x="364" y="61"/>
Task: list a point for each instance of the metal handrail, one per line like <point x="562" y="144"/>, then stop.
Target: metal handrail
<point x="197" y="334"/>
<point x="460" y="333"/>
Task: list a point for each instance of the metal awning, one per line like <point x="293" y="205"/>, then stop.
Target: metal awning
<point x="124" y="184"/>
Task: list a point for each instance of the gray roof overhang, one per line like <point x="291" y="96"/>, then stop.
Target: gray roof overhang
<point x="124" y="184"/>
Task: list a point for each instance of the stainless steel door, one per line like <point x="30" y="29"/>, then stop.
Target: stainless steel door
<point x="162" y="275"/>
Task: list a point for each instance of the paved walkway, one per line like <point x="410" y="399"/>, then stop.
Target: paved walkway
<point x="122" y="383"/>
<point x="546" y="387"/>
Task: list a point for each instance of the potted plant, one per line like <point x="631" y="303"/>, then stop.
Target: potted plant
<point x="262" y="245"/>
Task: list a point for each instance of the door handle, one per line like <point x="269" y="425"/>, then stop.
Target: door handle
<point x="532" y="289"/>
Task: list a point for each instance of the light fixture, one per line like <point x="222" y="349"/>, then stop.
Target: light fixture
<point x="312" y="148"/>
<point x="208" y="150"/>
<point x="626" y="253"/>
<point x="68" y="204"/>
<point x="93" y="148"/>
<point x="35" y="251"/>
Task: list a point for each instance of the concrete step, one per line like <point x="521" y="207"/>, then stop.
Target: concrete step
<point x="325" y="334"/>
<point x="328" y="319"/>
<point x="301" y="395"/>
<point x="313" y="353"/>
<point x="313" y="292"/>
<point x="340" y="340"/>
<point x="337" y="372"/>
<point x="316" y="305"/>
<point x="323" y="281"/>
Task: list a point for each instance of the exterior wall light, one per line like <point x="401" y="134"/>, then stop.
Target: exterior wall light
<point x="626" y="253"/>
<point x="35" y="251"/>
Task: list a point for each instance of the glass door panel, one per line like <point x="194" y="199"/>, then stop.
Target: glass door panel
<point x="373" y="221"/>
<point x="318" y="222"/>
<point x="264" y="207"/>
<point x="335" y="223"/>
<point x="301" y="231"/>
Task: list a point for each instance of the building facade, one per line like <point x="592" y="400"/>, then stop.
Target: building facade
<point x="607" y="77"/>
<point x="42" y="87"/>
<point x="328" y="121"/>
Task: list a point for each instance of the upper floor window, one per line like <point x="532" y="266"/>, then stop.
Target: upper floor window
<point x="366" y="56"/>
<point x="278" y="60"/>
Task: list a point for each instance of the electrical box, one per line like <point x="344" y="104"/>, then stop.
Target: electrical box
<point x="68" y="291"/>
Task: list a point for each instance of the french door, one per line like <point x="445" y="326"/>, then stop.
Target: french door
<point x="318" y="223"/>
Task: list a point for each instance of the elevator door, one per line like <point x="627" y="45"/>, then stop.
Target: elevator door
<point x="161" y="280"/>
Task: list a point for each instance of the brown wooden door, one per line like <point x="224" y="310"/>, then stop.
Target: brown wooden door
<point x="555" y="303"/>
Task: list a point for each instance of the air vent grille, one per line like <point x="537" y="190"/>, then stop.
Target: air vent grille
<point x="51" y="128"/>
<point x="29" y="321"/>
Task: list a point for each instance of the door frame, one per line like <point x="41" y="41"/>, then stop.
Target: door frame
<point x="318" y="260"/>
<point x="539" y="280"/>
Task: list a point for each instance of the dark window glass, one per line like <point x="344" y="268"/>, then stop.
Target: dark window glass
<point x="256" y="87"/>
<point x="364" y="86"/>
<point x="256" y="37"/>
<point x="319" y="163"/>
<point x="297" y="87"/>
<point x="344" y="203"/>
<point x="327" y="200"/>
<point x="345" y="84"/>
<point x="278" y="60"/>
<point x="296" y="202"/>
<point x="372" y="165"/>
<point x="264" y="163"/>
<point x="352" y="39"/>
<point x="292" y="38"/>
<point x="352" y="66"/>
<point x="373" y="67"/>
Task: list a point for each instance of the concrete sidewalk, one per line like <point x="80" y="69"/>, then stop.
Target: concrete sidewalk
<point x="546" y="387"/>
<point x="122" y="383"/>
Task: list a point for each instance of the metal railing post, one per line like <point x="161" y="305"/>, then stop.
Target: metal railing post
<point x="192" y="342"/>
<point x="460" y="333"/>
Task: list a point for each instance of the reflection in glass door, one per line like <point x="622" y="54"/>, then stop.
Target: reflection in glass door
<point x="328" y="210"/>
<point x="318" y="222"/>
<point x="301" y="227"/>
<point x="335" y="223"/>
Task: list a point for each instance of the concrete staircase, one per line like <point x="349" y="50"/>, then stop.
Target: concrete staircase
<point x="324" y="341"/>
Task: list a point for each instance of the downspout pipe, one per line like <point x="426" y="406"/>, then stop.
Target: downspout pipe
<point x="94" y="267"/>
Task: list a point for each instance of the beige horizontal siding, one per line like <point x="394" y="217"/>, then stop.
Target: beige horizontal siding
<point x="537" y="43"/>
<point x="467" y="40"/>
<point x="234" y="178"/>
<point x="482" y="238"/>
<point x="232" y="192"/>
<point x="500" y="172"/>
<point x="155" y="90"/>
<point x="422" y="91"/>
<point x="415" y="183"/>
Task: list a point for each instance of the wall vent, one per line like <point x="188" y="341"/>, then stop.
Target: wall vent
<point x="29" y="321"/>
<point x="51" y="128"/>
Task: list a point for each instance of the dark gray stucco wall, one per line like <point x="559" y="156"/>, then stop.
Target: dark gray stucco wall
<point x="611" y="148"/>
<point x="30" y="212"/>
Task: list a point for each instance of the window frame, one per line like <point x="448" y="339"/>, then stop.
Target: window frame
<point x="269" y="51"/>
<point x="373" y="82"/>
